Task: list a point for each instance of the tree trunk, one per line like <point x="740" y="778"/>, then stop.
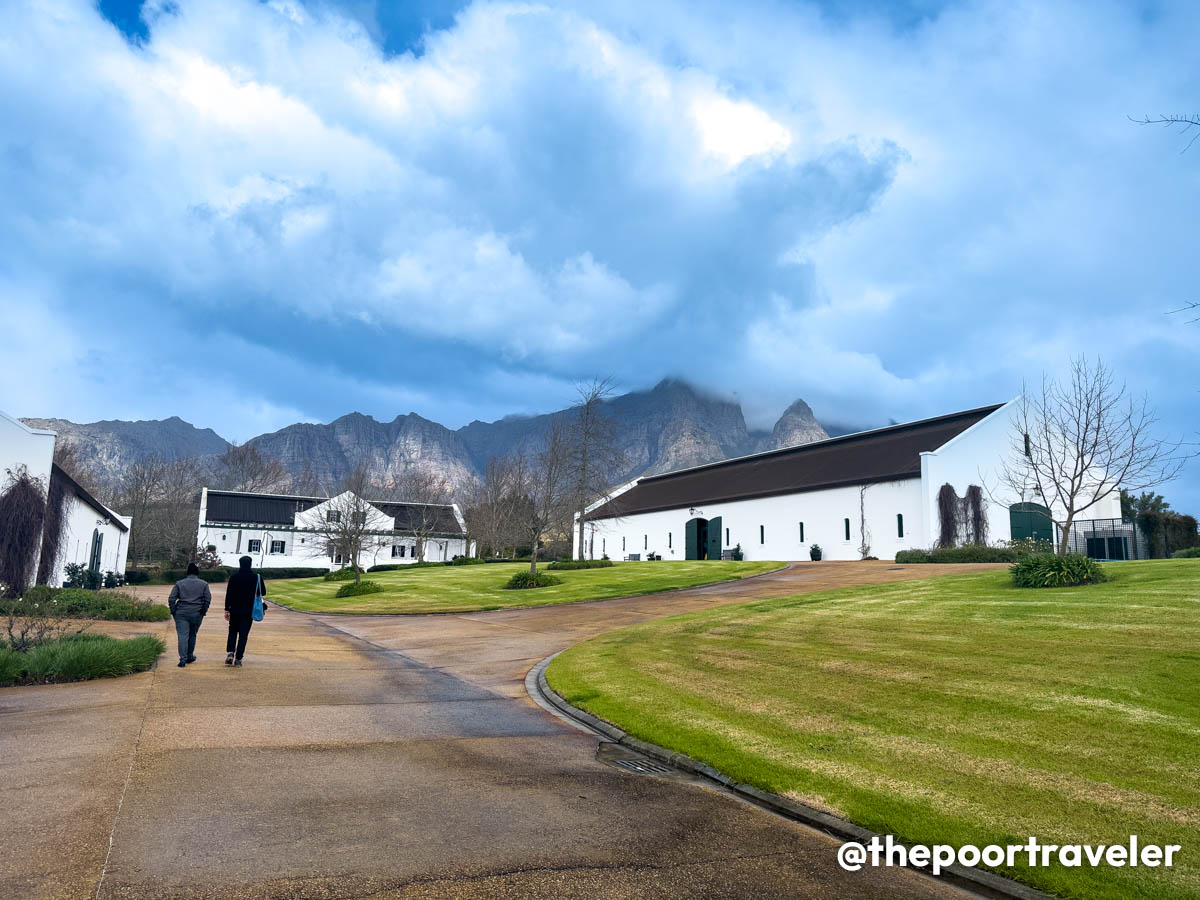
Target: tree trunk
<point x="582" y="551"/>
<point x="1065" y="540"/>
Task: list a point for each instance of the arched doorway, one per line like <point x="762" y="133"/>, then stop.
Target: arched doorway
<point x="703" y="538"/>
<point x="1030" y="521"/>
<point x="97" y="546"/>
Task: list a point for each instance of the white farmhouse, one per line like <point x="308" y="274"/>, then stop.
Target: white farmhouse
<point x="874" y="492"/>
<point x="91" y="534"/>
<point x="281" y="530"/>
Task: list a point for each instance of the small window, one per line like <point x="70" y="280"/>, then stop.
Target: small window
<point x="645" y="542"/>
<point x="670" y="536"/>
<point x="277" y="546"/>
<point x="302" y="540"/>
<point x="899" y="524"/>
<point x="603" y="545"/>
<point x="333" y="515"/>
<point x="802" y="532"/>
<point x="762" y="534"/>
<point x="622" y="544"/>
<point x="358" y="519"/>
<point x="253" y="546"/>
<point x="846" y="523"/>
<point x="726" y="536"/>
<point x="397" y="550"/>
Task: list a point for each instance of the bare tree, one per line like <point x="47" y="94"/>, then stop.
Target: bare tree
<point x="174" y="514"/>
<point x="139" y="492"/>
<point x="543" y="480"/>
<point x="243" y="468"/>
<point x="429" y="494"/>
<point x="1076" y="444"/>
<point x="67" y="456"/>
<point x="1185" y="123"/>
<point x="595" y="456"/>
<point x="350" y="526"/>
<point x="864" y="530"/>
<point x="307" y="484"/>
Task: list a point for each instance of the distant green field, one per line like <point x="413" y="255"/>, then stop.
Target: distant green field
<point x="952" y="710"/>
<point x="471" y="588"/>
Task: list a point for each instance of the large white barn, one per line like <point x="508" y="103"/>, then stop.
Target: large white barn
<point x="282" y="530"/>
<point x="92" y="535"/>
<point x="775" y="505"/>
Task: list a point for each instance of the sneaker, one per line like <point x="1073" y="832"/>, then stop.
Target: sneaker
<point x="182" y="663"/>
<point x="191" y="659"/>
<point x="237" y="662"/>
<point x="229" y="659"/>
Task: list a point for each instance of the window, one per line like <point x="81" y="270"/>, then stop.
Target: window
<point x="669" y="537"/>
<point x="762" y="534"/>
<point x="277" y="546"/>
<point x="358" y="519"/>
<point x="603" y="545"/>
<point x="622" y="543"/>
<point x="333" y="515"/>
<point x="645" y="542"/>
<point x="726" y="535"/>
<point x="847" y="526"/>
<point x="398" y="551"/>
<point x="802" y="532"/>
<point x="302" y="540"/>
<point x="253" y="546"/>
<point x="337" y="558"/>
<point x="899" y="524"/>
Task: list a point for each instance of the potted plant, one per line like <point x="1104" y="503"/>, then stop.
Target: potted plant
<point x="737" y="553"/>
<point x="814" y="552"/>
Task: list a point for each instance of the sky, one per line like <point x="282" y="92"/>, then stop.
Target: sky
<point x="250" y="214"/>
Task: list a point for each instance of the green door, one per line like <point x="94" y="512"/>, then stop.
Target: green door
<point x="714" y="538"/>
<point x="97" y="546"/>
<point x="692" y="539"/>
<point x="1030" y="520"/>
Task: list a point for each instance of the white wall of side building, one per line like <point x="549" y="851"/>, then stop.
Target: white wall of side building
<point x="769" y="527"/>
<point x="21" y="445"/>
<point x="82" y="525"/>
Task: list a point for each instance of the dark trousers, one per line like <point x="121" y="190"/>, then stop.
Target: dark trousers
<point x="186" y="626"/>
<point x="239" y="632"/>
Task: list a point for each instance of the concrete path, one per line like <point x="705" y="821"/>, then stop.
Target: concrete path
<point x="384" y="757"/>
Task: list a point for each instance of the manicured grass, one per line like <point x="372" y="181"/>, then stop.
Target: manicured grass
<point x="467" y="588"/>
<point x="953" y="710"/>
<point x="80" y="657"/>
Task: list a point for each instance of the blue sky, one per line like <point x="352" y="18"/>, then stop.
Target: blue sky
<point x="249" y="214"/>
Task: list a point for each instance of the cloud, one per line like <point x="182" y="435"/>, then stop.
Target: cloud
<point x="889" y="215"/>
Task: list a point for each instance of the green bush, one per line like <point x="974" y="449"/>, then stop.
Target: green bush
<point x="341" y="574"/>
<point x="137" y="576"/>
<point x="1188" y="553"/>
<point x="971" y="553"/>
<point x="1048" y="570"/>
<point x="912" y="556"/>
<point x="80" y="657"/>
<point x="170" y="576"/>
<point x="79" y="603"/>
<point x="287" y="572"/>
<point x="465" y="561"/>
<point x="524" y="580"/>
<point x="569" y="564"/>
<point x="396" y="567"/>
<point x="363" y="587"/>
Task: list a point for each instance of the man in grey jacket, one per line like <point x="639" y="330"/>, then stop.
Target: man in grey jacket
<point x="189" y="601"/>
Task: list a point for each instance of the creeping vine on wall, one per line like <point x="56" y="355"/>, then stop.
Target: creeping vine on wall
<point x="22" y="512"/>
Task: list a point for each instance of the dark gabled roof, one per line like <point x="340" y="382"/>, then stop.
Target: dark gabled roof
<point x="59" y="473"/>
<point x="230" y="507"/>
<point x="886" y="454"/>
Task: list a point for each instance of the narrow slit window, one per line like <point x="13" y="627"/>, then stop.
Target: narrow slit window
<point x="899" y="524"/>
<point x="802" y="532"/>
<point x="670" y="537"/>
<point x="846" y="523"/>
<point x="762" y="534"/>
<point x="645" y="542"/>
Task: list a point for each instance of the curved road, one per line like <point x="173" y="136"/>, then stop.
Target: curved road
<point x="385" y="757"/>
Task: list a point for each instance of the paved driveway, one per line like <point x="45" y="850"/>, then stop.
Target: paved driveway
<point x="384" y="757"/>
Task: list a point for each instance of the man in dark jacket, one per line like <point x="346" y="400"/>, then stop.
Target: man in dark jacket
<point x="239" y="609"/>
<point x="189" y="601"/>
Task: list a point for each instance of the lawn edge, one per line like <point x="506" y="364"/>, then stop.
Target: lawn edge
<point x="979" y="881"/>
<point x="478" y="610"/>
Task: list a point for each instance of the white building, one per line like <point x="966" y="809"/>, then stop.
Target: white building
<point x="878" y="488"/>
<point x="91" y="535"/>
<point x="280" y="530"/>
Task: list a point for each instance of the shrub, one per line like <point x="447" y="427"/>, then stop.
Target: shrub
<point x="170" y="576"/>
<point x="80" y="603"/>
<point x="465" y="561"/>
<point x="137" y="576"/>
<point x="912" y="556"/>
<point x="971" y="553"/>
<point x="341" y="574"/>
<point x="77" y="575"/>
<point x="569" y="564"/>
<point x="113" y="579"/>
<point x="287" y="572"/>
<point x="1027" y="546"/>
<point x="814" y="552"/>
<point x="1188" y="553"/>
<point x="524" y="580"/>
<point x="363" y="587"/>
<point x="80" y="657"/>
<point x="1048" y="570"/>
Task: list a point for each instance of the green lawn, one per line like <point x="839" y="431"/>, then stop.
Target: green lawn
<point x="954" y="710"/>
<point x="468" y="588"/>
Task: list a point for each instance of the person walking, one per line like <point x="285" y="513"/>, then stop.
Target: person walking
<point x="243" y="585"/>
<point x="189" y="602"/>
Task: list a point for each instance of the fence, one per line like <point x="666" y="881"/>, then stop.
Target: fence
<point x="1108" y="539"/>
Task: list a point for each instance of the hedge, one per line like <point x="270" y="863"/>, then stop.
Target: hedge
<point x="351" y="589"/>
<point x="969" y="554"/>
<point x="569" y="564"/>
<point x="1188" y="553"/>
<point x="170" y="576"/>
<point x="1049" y="570"/>
<point x="525" y="580"/>
<point x="289" y="572"/>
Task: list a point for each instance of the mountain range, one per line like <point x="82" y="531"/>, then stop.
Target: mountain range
<point x="670" y="426"/>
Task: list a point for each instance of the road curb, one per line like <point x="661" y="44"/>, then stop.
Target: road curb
<point x="977" y="881"/>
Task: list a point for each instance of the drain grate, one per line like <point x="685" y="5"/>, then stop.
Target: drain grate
<point x="643" y="766"/>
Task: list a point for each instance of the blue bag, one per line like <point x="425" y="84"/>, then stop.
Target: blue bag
<point x="257" y="615"/>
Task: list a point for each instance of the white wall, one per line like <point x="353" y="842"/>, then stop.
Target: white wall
<point x="80" y="524"/>
<point x="21" y="445"/>
<point x="822" y="512"/>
